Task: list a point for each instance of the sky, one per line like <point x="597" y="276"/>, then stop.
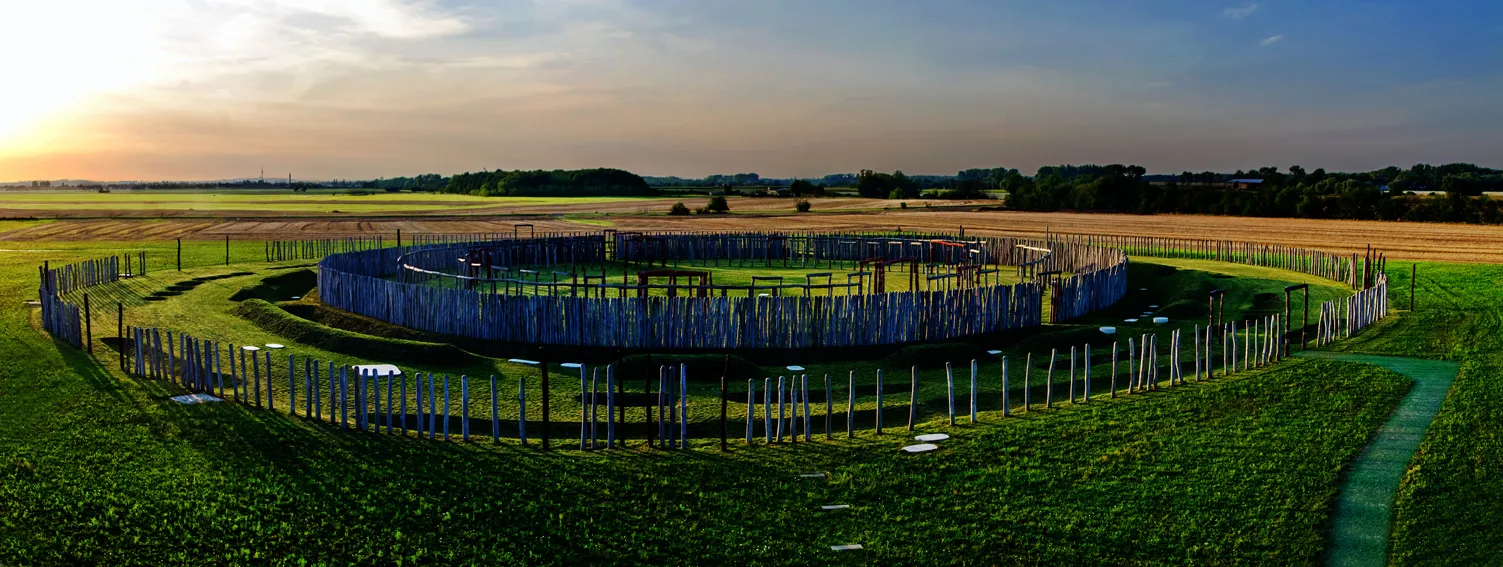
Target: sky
<point x="358" y="89"/>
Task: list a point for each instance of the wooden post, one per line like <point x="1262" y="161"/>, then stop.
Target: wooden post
<point x="850" y="406"/>
<point x="1072" y="374"/>
<point x="782" y="409"/>
<point x="973" y="390"/>
<point x="1006" y="407"/>
<point x="226" y="249"/>
<point x="522" y="409"/>
<point x="1413" y="275"/>
<point x="1027" y="382"/>
<point x="120" y="332"/>
<point x="879" y="401"/>
<point x="179" y="254"/>
<point x="610" y="406"/>
<point x="547" y="420"/>
<point x="767" y="426"/>
<point x="950" y="392"/>
<point x="829" y="408"/>
<point x="724" y="403"/>
<point x="1114" y="369"/>
<point x="913" y="394"/>
<point x="1086" y="376"/>
<point x="1049" y="380"/>
<point x="495" y="405"/>
<point x="751" y="400"/>
<point x="88" y="324"/>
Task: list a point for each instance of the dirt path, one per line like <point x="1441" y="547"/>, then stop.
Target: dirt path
<point x="1364" y="507"/>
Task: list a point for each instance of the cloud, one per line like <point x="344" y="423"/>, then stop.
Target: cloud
<point x="1239" y="13"/>
<point x="1270" y="40"/>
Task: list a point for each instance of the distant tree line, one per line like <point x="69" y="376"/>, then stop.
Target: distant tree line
<point x="520" y="183"/>
<point x="1385" y="194"/>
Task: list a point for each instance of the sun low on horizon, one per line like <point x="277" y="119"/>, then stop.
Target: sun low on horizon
<point x="207" y="89"/>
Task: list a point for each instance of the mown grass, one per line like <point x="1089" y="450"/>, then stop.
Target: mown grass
<point x="99" y="468"/>
<point x="1451" y="501"/>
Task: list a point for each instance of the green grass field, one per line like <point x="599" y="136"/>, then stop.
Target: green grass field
<point x="96" y="467"/>
<point x="726" y="273"/>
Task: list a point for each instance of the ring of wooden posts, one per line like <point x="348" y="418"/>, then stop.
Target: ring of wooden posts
<point x="540" y="290"/>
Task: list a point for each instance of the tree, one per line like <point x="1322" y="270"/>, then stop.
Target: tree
<point x="718" y="205"/>
<point x="802" y="206"/>
<point x="678" y="210"/>
<point x="802" y="188"/>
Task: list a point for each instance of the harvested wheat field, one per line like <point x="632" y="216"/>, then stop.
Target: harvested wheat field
<point x="1419" y="241"/>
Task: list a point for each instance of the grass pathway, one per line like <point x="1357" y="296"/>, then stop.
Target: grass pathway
<point x="1364" y="507"/>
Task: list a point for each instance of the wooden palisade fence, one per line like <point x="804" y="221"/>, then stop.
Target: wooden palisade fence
<point x="375" y="283"/>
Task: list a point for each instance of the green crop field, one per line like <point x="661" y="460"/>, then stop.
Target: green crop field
<point x="97" y="467"/>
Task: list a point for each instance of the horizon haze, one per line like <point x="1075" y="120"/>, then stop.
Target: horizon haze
<point x="173" y="89"/>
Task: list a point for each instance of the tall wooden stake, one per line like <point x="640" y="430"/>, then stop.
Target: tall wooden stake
<point x="547" y="421"/>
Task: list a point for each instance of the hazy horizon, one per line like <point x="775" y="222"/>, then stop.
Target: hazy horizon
<point x="360" y="89"/>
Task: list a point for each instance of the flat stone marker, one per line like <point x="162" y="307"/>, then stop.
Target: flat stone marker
<point x="571" y="365"/>
<point x="250" y="348"/>
<point x="835" y="507"/>
<point x="1160" y="320"/>
<point x="379" y="369"/>
<point x="994" y="352"/>
<point x="523" y="361"/>
<point x="195" y="399"/>
<point x="927" y="437"/>
<point x="1109" y="330"/>
<point x="296" y="297"/>
<point x="846" y="547"/>
<point x="920" y="448"/>
<point x="796" y="368"/>
<point x="1129" y="320"/>
<point x="273" y="346"/>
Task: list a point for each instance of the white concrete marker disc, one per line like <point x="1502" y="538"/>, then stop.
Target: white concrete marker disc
<point x="1160" y="320"/>
<point x="994" y="352"/>
<point x="812" y="475"/>
<point x="1129" y="320"/>
<point x="1109" y="330"/>
<point x="378" y="369"/>
<point x="273" y="346"/>
<point x="1142" y="289"/>
<point x="196" y="399"/>
<point x="796" y="368"/>
<point x="522" y="361"/>
<point x="920" y="448"/>
<point x="927" y="437"/>
<point x="250" y="348"/>
<point x="835" y="507"/>
<point x="571" y="365"/>
<point x="1153" y="307"/>
<point x="847" y="547"/>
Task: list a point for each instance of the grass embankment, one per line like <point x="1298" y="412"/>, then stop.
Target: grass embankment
<point x="99" y="468"/>
<point x="1451" y="501"/>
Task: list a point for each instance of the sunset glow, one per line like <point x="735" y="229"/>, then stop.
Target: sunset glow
<point x="158" y="89"/>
